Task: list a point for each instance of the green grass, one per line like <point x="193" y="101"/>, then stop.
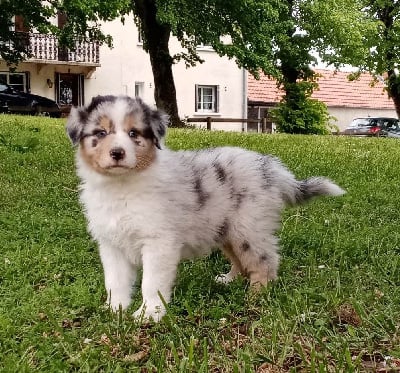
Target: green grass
<point x="335" y="306"/>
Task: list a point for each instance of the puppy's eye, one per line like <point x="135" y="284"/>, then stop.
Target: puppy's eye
<point x="100" y="134"/>
<point x="133" y="133"/>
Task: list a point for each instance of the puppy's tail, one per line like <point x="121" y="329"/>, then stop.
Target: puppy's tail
<point x="312" y="187"/>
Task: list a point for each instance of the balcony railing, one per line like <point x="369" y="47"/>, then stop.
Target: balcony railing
<point x="43" y="47"/>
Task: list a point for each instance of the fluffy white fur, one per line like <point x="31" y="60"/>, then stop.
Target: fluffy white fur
<point x="154" y="210"/>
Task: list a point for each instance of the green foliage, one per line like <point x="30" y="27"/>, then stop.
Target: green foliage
<point x="83" y="22"/>
<point x="12" y="47"/>
<point x="243" y="30"/>
<point x="335" y="306"/>
<point x="309" y="117"/>
<point x="300" y="114"/>
<point x="339" y="30"/>
<point x="365" y="34"/>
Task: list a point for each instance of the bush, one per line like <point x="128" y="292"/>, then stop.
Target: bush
<point x="298" y="113"/>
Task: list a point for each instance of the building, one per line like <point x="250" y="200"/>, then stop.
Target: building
<point x="215" y="88"/>
<point x="345" y="99"/>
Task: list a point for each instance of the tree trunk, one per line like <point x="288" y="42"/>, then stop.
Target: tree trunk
<point x="385" y="14"/>
<point x="155" y="42"/>
<point x="394" y="90"/>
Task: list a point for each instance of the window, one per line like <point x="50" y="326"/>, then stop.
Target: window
<point x="61" y="19"/>
<point x="19" y="24"/>
<point x="140" y="35"/>
<point x="15" y="80"/>
<point x="207" y="99"/>
<point x="139" y="86"/>
<point x="204" y="47"/>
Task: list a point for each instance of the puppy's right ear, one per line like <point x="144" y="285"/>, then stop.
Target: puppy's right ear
<point x="75" y="124"/>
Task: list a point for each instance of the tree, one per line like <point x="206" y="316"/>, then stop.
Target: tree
<point x="384" y="56"/>
<point x="12" y="47"/>
<point x="250" y="25"/>
<point x="327" y="27"/>
<point x="271" y="36"/>
<point x="83" y="22"/>
<point x="371" y="43"/>
<point x="156" y="36"/>
<point x="296" y="78"/>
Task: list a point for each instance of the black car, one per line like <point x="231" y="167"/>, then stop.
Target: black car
<point x="12" y="101"/>
<point x="370" y="126"/>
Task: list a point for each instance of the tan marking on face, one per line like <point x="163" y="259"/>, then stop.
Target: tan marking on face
<point x="106" y="124"/>
<point x="144" y="148"/>
<point x="98" y="155"/>
<point x="145" y="152"/>
<point x="132" y="121"/>
<point x="96" y="150"/>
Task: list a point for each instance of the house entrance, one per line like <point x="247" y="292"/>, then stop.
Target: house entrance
<point x="70" y="89"/>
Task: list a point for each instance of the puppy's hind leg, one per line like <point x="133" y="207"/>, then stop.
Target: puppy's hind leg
<point x="259" y="260"/>
<point x="236" y="269"/>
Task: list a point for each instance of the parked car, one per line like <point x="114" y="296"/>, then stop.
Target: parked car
<point x="393" y="131"/>
<point x="370" y="126"/>
<point x="12" y="101"/>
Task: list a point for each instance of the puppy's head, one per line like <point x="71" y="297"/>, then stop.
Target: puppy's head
<point x="117" y="134"/>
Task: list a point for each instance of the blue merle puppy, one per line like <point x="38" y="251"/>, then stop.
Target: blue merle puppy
<point x="150" y="207"/>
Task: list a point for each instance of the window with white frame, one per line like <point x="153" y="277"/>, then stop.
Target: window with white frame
<point x="15" y="80"/>
<point x="207" y="98"/>
<point x="139" y="87"/>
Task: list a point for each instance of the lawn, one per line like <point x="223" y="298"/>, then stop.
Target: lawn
<point x="335" y="306"/>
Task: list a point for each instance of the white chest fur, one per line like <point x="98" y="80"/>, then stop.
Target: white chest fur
<point x="121" y="215"/>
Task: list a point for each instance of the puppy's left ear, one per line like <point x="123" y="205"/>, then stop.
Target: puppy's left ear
<point x="158" y="122"/>
<point x="75" y="124"/>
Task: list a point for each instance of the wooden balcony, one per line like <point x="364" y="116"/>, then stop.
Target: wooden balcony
<point x="44" y="49"/>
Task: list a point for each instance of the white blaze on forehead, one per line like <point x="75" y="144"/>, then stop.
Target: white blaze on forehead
<point x="121" y="140"/>
<point x="116" y="112"/>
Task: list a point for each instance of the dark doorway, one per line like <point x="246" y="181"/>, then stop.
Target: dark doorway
<point x="69" y="90"/>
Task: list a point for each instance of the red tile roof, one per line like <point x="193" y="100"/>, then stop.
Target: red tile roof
<point x="334" y="89"/>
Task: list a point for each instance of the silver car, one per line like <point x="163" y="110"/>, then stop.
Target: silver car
<point x="371" y="126"/>
<point x="392" y="131"/>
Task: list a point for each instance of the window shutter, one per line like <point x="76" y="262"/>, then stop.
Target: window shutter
<point x="196" y="98"/>
<point x="217" y="99"/>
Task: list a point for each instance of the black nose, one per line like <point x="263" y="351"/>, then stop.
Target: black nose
<point x="117" y="153"/>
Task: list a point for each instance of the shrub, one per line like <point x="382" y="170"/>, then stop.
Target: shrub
<point x="300" y="114"/>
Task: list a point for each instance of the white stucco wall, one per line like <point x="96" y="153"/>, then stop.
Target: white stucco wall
<point x="128" y="63"/>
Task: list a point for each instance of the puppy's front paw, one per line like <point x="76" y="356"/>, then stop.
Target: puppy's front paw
<point x="118" y="304"/>
<point x="147" y="313"/>
<point x="224" y="278"/>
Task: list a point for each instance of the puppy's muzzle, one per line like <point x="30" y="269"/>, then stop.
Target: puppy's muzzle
<point x="117" y="154"/>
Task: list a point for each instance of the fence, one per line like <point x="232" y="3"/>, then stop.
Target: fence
<point x="263" y="125"/>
